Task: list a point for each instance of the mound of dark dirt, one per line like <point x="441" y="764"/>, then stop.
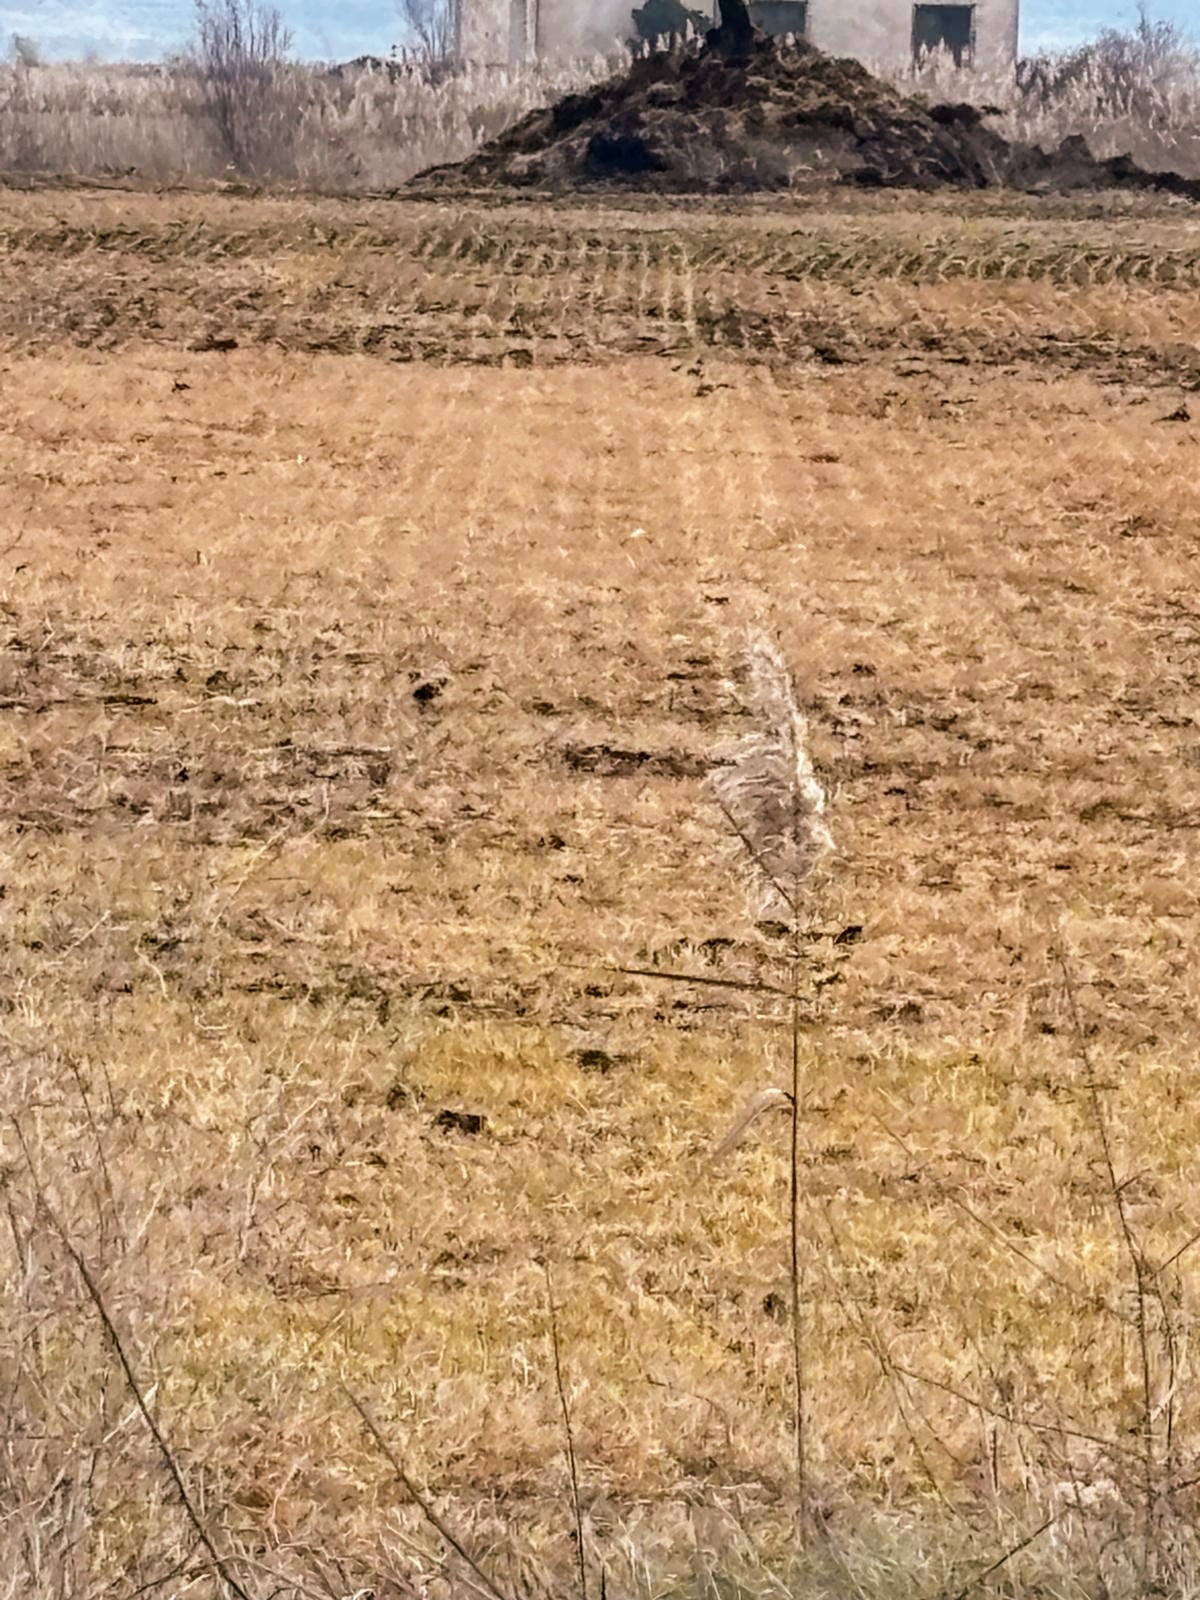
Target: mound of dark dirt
<point x="770" y="115"/>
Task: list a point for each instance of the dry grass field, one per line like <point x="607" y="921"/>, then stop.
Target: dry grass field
<point x="374" y="581"/>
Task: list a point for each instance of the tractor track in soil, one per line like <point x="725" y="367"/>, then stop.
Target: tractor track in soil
<point x="477" y="285"/>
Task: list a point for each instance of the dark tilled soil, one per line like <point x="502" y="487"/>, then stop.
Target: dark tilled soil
<point x="782" y="113"/>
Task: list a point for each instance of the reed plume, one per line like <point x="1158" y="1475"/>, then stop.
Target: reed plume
<point x="769" y="792"/>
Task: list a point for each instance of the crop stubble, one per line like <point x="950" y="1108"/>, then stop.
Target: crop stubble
<point x="372" y="578"/>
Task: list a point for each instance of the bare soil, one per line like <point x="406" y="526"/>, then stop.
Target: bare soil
<point x="854" y="280"/>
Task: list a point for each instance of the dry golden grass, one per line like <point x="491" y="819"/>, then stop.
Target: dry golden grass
<point x="355" y="716"/>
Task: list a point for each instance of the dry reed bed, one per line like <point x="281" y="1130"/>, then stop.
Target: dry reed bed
<point x="355" y="717"/>
<point x="357" y="129"/>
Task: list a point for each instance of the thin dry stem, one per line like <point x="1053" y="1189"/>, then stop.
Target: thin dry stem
<point x="568" y="1433"/>
<point x="1134" y="1251"/>
<point x="798" y="1365"/>
<point x="219" y="1564"/>
<point x="1003" y="1560"/>
<point x="427" y="1508"/>
<point x="774" y="803"/>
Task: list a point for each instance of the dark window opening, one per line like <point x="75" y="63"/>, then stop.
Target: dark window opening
<point x="778" y="17"/>
<point x="950" y="28"/>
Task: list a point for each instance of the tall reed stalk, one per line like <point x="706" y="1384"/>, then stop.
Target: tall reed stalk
<point x="775" y="805"/>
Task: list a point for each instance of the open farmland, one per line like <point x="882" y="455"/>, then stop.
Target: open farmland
<point x="375" y="579"/>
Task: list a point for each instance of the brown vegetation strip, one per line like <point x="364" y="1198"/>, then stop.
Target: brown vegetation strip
<point x="488" y="288"/>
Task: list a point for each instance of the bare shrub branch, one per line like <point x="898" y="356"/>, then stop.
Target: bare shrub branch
<point x="238" y="53"/>
<point x="433" y="26"/>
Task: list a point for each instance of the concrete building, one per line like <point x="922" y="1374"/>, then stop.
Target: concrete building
<point x="895" y="32"/>
<point x="888" y="33"/>
<point x="492" y="32"/>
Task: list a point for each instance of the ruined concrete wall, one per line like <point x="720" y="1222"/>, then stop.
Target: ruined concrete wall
<point x="881" y="31"/>
<point x="505" y="32"/>
<point x="579" y="27"/>
<point x="878" y="32"/>
<point x="497" y="32"/>
<point x="483" y="31"/>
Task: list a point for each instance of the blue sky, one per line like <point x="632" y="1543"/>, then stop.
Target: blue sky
<point x="145" y="29"/>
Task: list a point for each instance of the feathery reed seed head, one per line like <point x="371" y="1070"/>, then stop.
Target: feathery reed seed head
<point x="770" y="793"/>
